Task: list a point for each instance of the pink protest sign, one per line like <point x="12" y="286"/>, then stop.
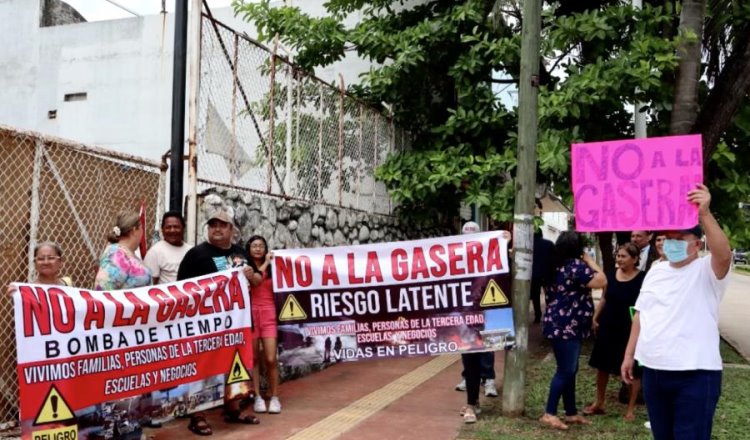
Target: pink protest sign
<point x="636" y="184"/>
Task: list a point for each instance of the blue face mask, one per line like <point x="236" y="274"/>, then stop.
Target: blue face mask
<point x="675" y="250"/>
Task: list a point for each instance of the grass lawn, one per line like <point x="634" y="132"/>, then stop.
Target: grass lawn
<point x="730" y="423"/>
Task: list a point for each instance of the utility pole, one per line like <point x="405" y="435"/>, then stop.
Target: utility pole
<point x="179" y="64"/>
<point x="514" y="381"/>
<point x="639" y="117"/>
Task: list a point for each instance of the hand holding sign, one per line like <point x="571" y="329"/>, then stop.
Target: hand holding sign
<point x="700" y="197"/>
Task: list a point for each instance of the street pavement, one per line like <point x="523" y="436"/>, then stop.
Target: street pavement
<point x="734" y="313"/>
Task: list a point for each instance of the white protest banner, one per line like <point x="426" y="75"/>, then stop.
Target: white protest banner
<point x="92" y="362"/>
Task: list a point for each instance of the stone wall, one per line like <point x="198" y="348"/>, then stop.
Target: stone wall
<point x="288" y="224"/>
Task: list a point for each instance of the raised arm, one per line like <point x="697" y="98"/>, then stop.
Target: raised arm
<point x="717" y="241"/>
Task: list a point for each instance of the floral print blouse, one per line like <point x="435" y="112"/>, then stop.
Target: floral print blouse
<point x="120" y="269"/>
<point x="570" y="307"/>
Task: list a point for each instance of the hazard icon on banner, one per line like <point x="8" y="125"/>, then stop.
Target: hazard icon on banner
<point x="54" y="409"/>
<point x="238" y="372"/>
<point x="292" y="311"/>
<point x="493" y="295"/>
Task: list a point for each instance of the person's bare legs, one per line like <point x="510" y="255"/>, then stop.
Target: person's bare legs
<point x="602" y="378"/>
<point x="256" y="366"/>
<point x="635" y="387"/>
<point x="272" y="365"/>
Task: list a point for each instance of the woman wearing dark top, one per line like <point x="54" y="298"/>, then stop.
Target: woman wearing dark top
<point x="612" y="326"/>
<point x="567" y="321"/>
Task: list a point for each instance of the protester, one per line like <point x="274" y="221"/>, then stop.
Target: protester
<point x="567" y="321"/>
<point x="611" y="325"/>
<point x="119" y="268"/>
<point x="48" y="260"/>
<point x="648" y="254"/>
<point x="264" y="323"/>
<point x="675" y="334"/>
<point x="214" y="255"/>
<point x="163" y="259"/>
<point x="472" y="362"/>
<point x="540" y="267"/>
<point x="659" y="245"/>
<point x="486" y="375"/>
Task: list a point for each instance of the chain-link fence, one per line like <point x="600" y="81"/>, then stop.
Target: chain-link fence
<point x="64" y="192"/>
<point x="266" y="126"/>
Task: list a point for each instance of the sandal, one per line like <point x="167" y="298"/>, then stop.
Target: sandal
<point x="553" y="422"/>
<point x="198" y="425"/>
<point x="593" y="410"/>
<point x="469" y="415"/>
<point x="577" y="420"/>
<point x="237" y="417"/>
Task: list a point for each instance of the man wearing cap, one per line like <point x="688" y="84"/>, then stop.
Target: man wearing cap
<point x="675" y="334"/>
<point x="214" y="255"/>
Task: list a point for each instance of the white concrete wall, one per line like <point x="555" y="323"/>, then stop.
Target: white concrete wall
<point x="124" y="66"/>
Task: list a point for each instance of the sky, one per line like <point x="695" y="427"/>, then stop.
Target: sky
<point x="97" y="10"/>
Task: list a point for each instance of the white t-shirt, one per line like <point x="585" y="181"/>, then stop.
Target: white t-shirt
<point x="679" y="315"/>
<point x="163" y="260"/>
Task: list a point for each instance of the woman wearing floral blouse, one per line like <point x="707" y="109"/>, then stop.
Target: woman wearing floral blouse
<point x="119" y="268"/>
<point x="567" y="321"/>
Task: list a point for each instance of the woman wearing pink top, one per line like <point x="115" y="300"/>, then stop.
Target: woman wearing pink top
<point x="264" y="323"/>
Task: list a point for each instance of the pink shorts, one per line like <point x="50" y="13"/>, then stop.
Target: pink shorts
<point x="264" y="322"/>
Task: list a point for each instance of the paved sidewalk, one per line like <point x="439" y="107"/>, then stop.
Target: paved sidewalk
<point x="391" y="400"/>
<point x="734" y="314"/>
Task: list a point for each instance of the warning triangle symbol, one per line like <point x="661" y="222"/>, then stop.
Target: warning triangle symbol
<point x="493" y="295"/>
<point x="54" y="409"/>
<point x="238" y="372"/>
<point x="292" y="311"/>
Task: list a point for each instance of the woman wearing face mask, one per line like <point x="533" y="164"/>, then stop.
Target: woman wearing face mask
<point x="612" y="326"/>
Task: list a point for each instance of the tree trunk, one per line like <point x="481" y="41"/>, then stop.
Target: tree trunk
<point x="723" y="101"/>
<point x="685" y="107"/>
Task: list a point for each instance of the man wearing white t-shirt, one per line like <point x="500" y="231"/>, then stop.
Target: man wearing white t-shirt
<point x="675" y="332"/>
<point x="164" y="258"/>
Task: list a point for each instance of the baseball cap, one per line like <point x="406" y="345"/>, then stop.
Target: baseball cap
<point x="221" y="214"/>
<point x="695" y="230"/>
<point x="470" y="228"/>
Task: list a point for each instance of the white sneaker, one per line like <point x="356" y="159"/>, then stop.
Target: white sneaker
<point x="260" y="405"/>
<point x="461" y="385"/>
<point x="489" y="388"/>
<point x="274" y="406"/>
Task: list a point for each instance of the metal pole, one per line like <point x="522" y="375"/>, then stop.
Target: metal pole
<point x="195" y="79"/>
<point x="178" y="105"/>
<point x="639" y="117"/>
<point x="523" y="230"/>
<point x="289" y="122"/>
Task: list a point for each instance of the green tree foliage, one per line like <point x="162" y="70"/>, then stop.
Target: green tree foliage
<point x="434" y="64"/>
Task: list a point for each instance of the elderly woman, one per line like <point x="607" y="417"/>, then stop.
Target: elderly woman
<point x="48" y="260"/>
<point x="567" y="321"/>
<point x="119" y="268"/>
